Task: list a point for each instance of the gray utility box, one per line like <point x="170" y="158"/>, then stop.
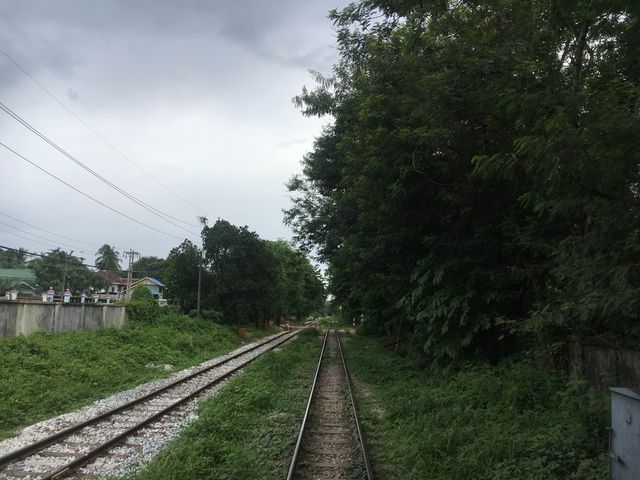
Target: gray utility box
<point x="624" y="440"/>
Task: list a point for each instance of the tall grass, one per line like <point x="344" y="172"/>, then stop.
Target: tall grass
<point x="43" y="374"/>
<point x="521" y="419"/>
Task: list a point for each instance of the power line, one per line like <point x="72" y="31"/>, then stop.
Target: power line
<point x="146" y="206"/>
<point x="92" y="245"/>
<point x="97" y="134"/>
<point x="87" y="195"/>
<point x="44" y="238"/>
<point x="40" y="255"/>
<point x="26" y="238"/>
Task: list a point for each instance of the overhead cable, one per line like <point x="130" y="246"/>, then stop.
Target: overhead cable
<point x="80" y="249"/>
<point x="96" y="133"/>
<point x="92" y="245"/>
<point x="146" y="206"/>
<point x="87" y="195"/>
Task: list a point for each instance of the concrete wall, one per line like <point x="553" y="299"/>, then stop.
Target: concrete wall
<point x="604" y="366"/>
<point x="24" y="318"/>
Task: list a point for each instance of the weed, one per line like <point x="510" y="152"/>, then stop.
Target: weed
<point x="44" y="375"/>
<point x="249" y="429"/>
<point x="519" y="419"/>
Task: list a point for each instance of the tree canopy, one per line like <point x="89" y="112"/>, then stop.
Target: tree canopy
<point x="13" y="258"/>
<point x="149" y="267"/>
<point x="479" y="177"/>
<point x="107" y="258"/>
<point x="244" y="277"/>
<point x="61" y="270"/>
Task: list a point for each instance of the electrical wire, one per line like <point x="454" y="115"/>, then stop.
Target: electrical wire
<point x="146" y="206"/>
<point x="92" y="245"/>
<point x="87" y="195"/>
<point x="40" y="255"/>
<point x="26" y="238"/>
<point x="75" y="247"/>
<point x="97" y="134"/>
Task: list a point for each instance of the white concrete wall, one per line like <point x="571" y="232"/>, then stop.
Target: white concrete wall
<point x="24" y="318"/>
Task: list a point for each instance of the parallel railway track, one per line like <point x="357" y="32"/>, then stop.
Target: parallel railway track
<point x="62" y="453"/>
<point x="331" y="443"/>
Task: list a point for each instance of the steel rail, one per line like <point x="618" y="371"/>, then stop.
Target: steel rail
<point x="363" y="447"/>
<point x="51" y="439"/>
<point x="296" y="451"/>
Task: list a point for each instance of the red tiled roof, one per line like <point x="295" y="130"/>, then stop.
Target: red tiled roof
<point x="112" y="277"/>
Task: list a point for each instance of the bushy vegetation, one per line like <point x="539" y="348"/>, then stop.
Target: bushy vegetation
<point x="521" y="419"/>
<point x="480" y="174"/>
<point x="249" y="429"/>
<point x="142" y="307"/>
<point x="43" y="374"/>
<point x="244" y="277"/>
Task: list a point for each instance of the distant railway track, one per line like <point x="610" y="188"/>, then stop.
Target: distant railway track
<point x="331" y="443"/>
<point x="62" y="453"/>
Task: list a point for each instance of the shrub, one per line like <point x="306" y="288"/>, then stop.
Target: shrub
<point x="142" y="294"/>
<point x="309" y="332"/>
<point x="142" y="307"/>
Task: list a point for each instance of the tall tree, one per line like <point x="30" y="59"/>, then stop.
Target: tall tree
<point x="107" y="258"/>
<point x="13" y="258"/>
<point x="241" y="269"/>
<point x="150" y="266"/>
<point x="181" y="275"/>
<point x="481" y="171"/>
<point x="61" y="270"/>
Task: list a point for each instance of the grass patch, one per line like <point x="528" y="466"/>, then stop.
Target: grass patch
<point x="249" y="429"/>
<point x="42" y="375"/>
<point x="520" y="419"/>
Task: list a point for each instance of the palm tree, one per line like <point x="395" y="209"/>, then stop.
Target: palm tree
<point x="107" y="258"/>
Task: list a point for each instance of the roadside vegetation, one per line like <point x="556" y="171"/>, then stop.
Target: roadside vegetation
<point x="43" y="375"/>
<point x="519" y="419"/>
<point x="249" y="429"/>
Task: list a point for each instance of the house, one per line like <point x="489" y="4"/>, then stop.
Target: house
<point x="117" y="284"/>
<point x="155" y="286"/>
<point x="23" y="280"/>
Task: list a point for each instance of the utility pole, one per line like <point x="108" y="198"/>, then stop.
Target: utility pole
<point x="199" y="283"/>
<point x="64" y="270"/>
<point x="132" y="254"/>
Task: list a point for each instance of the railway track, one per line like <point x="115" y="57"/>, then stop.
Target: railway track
<point x="330" y="443"/>
<point x="62" y="453"/>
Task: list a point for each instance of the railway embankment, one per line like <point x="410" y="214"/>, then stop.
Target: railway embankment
<point x="43" y="374"/>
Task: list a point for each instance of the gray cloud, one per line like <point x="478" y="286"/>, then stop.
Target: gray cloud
<point x="198" y="93"/>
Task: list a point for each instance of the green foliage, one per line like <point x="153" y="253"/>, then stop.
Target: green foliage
<point x="142" y="294"/>
<point x="56" y="265"/>
<point x="107" y="258"/>
<point x="13" y="258"/>
<point x="249" y="429"/>
<point x="480" y="176"/>
<point x="520" y="419"/>
<point x="309" y="332"/>
<point x="150" y="267"/>
<point x="142" y="307"/>
<point x="181" y="275"/>
<point x="43" y="374"/>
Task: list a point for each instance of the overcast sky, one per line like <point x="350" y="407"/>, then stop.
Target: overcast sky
<point x="196" y="93"/>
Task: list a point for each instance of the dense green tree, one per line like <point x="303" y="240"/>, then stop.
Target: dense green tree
<point x="241" y="269"/>
<point x="13" y="258"/>
<point x="61" y="270"/>
<point x="297" y="289"/>
<point x="480" y="174"/>
<point x="150" y="266"/>
<point x="181" y="275"/>
<point x="107" y="258"/>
